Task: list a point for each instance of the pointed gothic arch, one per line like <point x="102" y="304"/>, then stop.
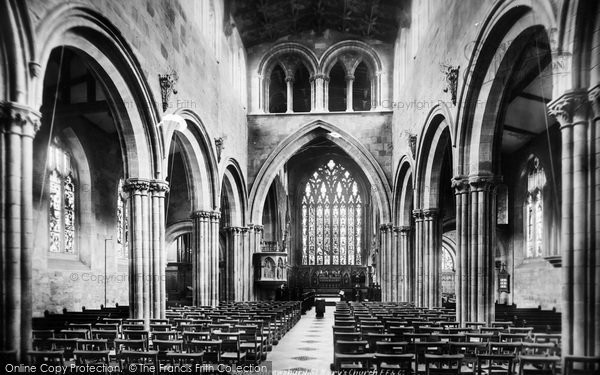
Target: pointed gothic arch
<point x="289" y="146"/>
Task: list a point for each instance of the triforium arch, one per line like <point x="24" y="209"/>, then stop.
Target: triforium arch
<point x="288" y="147"/>
<point x="351" y="54"/>
<point x="288" y="56"/>
<point x="234" y="272"/>
<point x="402" y="253"/>
<point x="433" y="172"/>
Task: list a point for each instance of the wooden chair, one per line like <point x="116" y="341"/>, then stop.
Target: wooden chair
<point x="538" y="365"/>
<point x="130" y="345"/>
<point x="92" y="345"/>
<point x="579" y="365"/>
<point x="513" y="337"/>
<point x="211" y="349"/>
<point x="165" y="335"/>
<point x="192" y="359"/>
<point x="391" y="347"/>
<point x="136" y="335"/>
<point x="129" y="359"/>
<point x="394" y="364"/>
<point x="250" y="342"/>
<point x="108" y="335"/>
<point x="495" y="364"/>
<point x="469" y="351"/>
<point x="50" y="357"/>
<point x="232" y="352"/>
<point x="164" y="346"/>
<point x="443" y="364"/>
<point x="93" y="357"/>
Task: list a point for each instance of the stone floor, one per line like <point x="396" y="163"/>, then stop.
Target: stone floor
<point x="306" y="348"/>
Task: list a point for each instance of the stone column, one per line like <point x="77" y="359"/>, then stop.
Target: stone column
<point x="200" y="258"/>
<point x="215" y="217"/>
<point x="158" y="189"/>
<point x="318" y="93"/>
<point x="579" y="229"/>
<point x="406" y="266"/>
<point x="289" y="81"/>
<point x="483" y="231"/>
<point x="431" y="257"/>
<point x="266" y="104"/>
<point x="243" y="264"/>
<point x="396" y="262"/>
<point x="325" y="94"/>
<point x="349" y="99"/>
<point x="254" y="237"/>
<point x="418" y="264"/>
<point x="18" y="126"/>
<point x="139" y="241"/>
<point x="461" y="188"/>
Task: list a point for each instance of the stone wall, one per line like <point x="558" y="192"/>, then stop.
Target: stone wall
<point x="187" y="37"/>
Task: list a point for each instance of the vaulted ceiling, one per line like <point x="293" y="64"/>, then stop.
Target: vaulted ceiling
<point x="262" y="21"/>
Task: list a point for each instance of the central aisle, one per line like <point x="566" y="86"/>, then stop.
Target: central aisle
<point x="306" y="347"/>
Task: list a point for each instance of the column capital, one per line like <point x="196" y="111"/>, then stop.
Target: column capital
<point x="403" y="228"/>
<point x="234" y="229"/>
<point x="318" y="76"/>
<point x="569" y="106"/>
<point x="386" y="227"/>
<point x="460" y="184"/>
<point x="136" y="185"/>
<point x="256" y="227"/>
<point x="201" y="214"/>
<point x="215" y="214"/>
<point x="244" y="229"/>
<point x="19" y="119"/>
<point x="289" y="79"/>
<point x="430" y="213"/>
<point x="350" y="77"/>
<point x="160" y="186"/>
<point x="594" y="98"/>
<point x="483" y="183"/>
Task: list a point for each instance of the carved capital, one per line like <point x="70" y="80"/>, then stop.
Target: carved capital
<point x="244" y="230"/>
<point x="460" y="184"/>
<point x="159" y="186"/>
<point x="19" y="119"/>
<point x="201" y="214"/>
<point x="136" y="186"/>
<point x="569" y="107"/>
<point x="215" y="215"/>
<point x="404" y="228"/>
<point x="594" y="98"/>
<point x="350" y="77"/>
<point x="482" y="183"/>
<point x="430" y="213"/>
<point x="386" y="227"/>
<point x="418" y="214"/>
<point x="234" y="230"/>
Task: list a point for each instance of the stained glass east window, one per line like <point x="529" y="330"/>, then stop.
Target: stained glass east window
<point x="331" y="217"/>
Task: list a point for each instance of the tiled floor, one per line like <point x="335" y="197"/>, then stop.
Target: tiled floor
<point x="308" y="347"/>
